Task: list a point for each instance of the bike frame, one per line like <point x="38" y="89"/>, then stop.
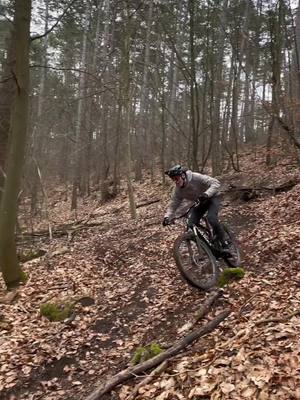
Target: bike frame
<point x="204" y="233"/>
<point x="209" y="241"/>
<point x="198" y="232"/>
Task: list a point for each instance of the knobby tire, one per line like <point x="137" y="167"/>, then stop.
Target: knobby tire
<point x="191" y="273"/>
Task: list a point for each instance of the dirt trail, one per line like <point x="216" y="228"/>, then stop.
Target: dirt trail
<point x="142" y="300"/>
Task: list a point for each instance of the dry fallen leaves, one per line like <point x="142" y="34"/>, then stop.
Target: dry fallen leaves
<point x="128" y="270"/>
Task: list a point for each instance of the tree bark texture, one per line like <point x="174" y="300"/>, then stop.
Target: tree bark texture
<point x="10" y="267"/>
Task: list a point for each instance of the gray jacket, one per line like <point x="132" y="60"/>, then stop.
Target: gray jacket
<point x="196" y="185"/>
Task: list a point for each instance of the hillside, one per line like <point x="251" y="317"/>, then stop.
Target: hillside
<point x="134" y="296"/>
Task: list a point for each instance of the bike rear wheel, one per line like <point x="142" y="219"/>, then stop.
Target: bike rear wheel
<point x="195" y="261"/>
<point x="235" y="255"/>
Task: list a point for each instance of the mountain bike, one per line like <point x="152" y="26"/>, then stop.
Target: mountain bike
<point x="198" y="253"/>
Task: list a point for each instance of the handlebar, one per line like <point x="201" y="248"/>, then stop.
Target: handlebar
<point x="172" y="221"/>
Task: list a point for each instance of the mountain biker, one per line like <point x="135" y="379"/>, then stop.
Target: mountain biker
<point x="199" y="188"/>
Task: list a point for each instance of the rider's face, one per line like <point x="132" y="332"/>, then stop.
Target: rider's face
<point x="179" y="180"/>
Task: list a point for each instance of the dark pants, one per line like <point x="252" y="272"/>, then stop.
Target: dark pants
<point x="211" y="206"/>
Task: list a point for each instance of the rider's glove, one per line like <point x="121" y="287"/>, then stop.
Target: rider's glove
<point x="166" y="221"/>
<point x="202" y="198"/>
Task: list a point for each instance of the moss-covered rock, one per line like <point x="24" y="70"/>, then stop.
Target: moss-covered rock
<point x="57" y="311"/>
<point x="145" y="353"/>
<point x="229" y="275"/>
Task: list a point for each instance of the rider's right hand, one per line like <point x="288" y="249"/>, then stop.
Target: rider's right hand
<point x="166" y="221"/>
<point x="202" y="199"/>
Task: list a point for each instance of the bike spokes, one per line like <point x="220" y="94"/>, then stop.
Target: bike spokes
<point x="195" y="261"/>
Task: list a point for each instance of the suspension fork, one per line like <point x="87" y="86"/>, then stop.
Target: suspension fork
<point x="208" y="226"/>
<point x="195" y="231"/>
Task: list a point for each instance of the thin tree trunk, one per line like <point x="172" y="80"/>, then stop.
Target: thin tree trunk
<point x="88" y="118"/>
<point x="38" y="135"/>
<point x="81" y="104"/>
<point x="276" y="50"/>
<point x="142" y="120"/>
<point x="126" y="97"/>
<point x="193" y="87"/>
<point x="104" y="162"/>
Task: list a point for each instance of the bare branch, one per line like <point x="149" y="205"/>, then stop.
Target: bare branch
<point x="56" y="23"/>
<point x="5" y="17"/>
<point x="81" y="71"/>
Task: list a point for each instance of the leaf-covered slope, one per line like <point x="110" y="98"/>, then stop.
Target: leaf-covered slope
<point x="127" y="268"/>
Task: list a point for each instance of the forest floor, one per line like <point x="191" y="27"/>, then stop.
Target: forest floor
<point x="138" y="297"/>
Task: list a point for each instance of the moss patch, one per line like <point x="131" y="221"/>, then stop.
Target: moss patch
<point x="57" y="311"/>
<point x="145" y="353"/>
<point x="24" y="277"/>
<point x="229" y="275"/>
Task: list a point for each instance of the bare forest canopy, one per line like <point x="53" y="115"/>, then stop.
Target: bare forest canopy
<point x="126" y="86"/>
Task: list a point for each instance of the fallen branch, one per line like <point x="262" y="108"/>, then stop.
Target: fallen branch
<point x="147" y="203"/>
<point x="278" y="319"/>
<point x="153" y="362"/>
<point x="148" y="379"/>
<point x="248" y="301"/>
<point x="202" y="311"/>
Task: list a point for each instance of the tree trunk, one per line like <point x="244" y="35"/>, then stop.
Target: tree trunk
<point x="9" y="263"/>
<point x="217" y="93"/>
<point x="7" y="93"/>
<point x="142" y="120"/>
<point x="193" y="87"/>
<point x="104" y="162"/>
<point x="276" y="26"/>
<point x="89" y="125"/>
<point x="126" y="98"/>
<point x="77" y="177"/>
<point x="38" y="136"/>
<point x="296" y="70"/>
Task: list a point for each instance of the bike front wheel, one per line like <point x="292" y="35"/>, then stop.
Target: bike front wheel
<point x="195" y="261"/>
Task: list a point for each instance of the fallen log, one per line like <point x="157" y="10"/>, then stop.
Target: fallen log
<point x="247" y="193"/>
<point x="61" y="230"/>
<point x="153" y="362"/>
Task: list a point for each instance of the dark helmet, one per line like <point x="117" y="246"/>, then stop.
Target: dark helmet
<point x="175" y="171"/>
